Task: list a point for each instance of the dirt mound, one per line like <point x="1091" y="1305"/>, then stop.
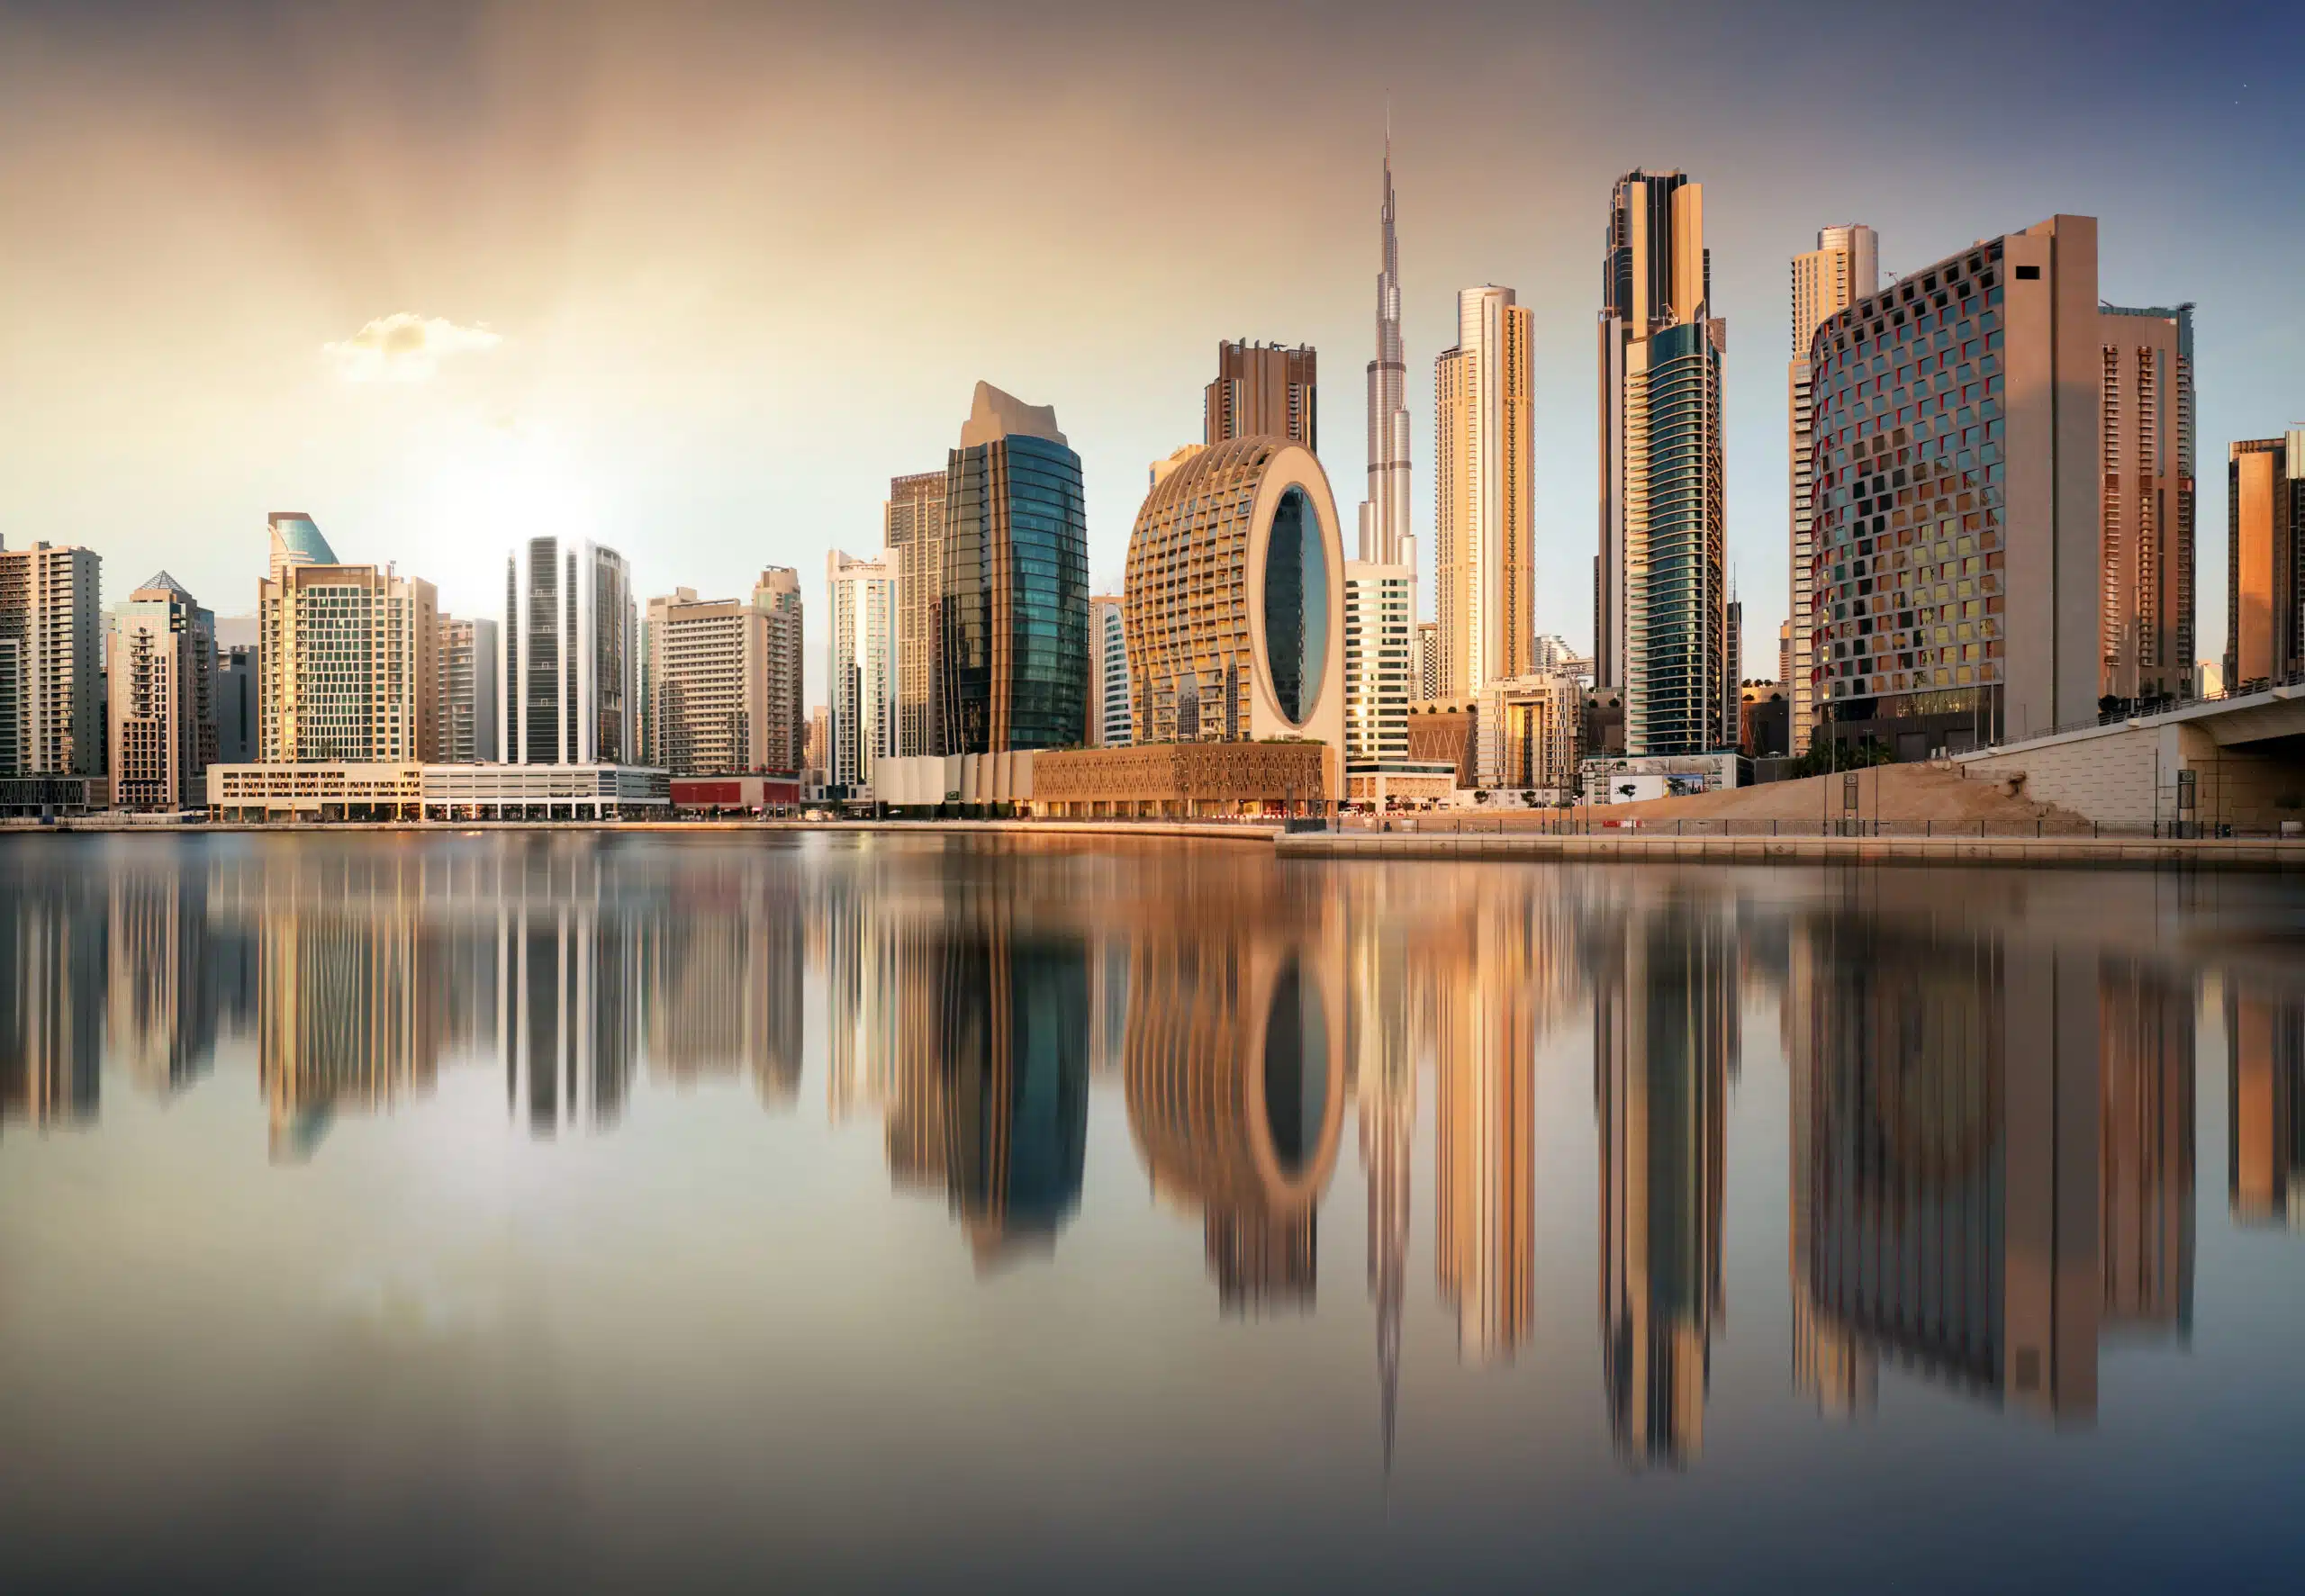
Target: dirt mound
<point x="1896" y="794"/>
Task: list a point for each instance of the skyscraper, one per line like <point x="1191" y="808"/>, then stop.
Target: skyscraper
<point x="1483" y="465"/>
<point x="861" y="668"/>
<point x="570" y="693"/>
<point x="1843" y="268"/>
<point x="708" y="674"/>
<point x="2145" y="564"/>
<point x="1109" y="726"/>
<point x="295" y="538"/>
<point x="1430" y="668"/>
<point x="2265" y="589"/>
<point x="1661" y="576"/>
<point x="913" y="532"/>
<point x="1262" y="391"/>
<point x="51" y="655"/>
<point x="1014" y="617"/>
<point x="777" y="595"/>
<point x="348" y="665"/>
<point x="1386" y="538"/>
<point x="1733" y="655"/>
<point x="1379" y="660"/>
<point x="161" y="708"/>
<point x="469" y="716"/>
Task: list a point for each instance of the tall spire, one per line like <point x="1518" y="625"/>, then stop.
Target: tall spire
<point x="1385" y="535"/>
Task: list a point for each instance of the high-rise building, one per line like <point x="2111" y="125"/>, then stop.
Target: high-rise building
<point x="707" y="684"/>
<point x="1660" y="603"/>
<point x="1262" y="391"/>
<point x="1843" y="268"/>
<point x="1483" y="526"/>
<point x="1108" y="714"/>
<point x="1430" y="666"/>
<point x="348" y="665"/>
<point x="861" y="668"/>
<point x="469" y="673"/>
<point x="777" y="595"/>
<point x="816" y="749"/>
<point x="2264" y="586"/>
<point x="1386" y="538"/>
<point x="160" y="704"/>
<point x="1016" y="585"/>
<point x="913" y="532"/>
<point x="1733" y="656"/>
<point x="295" y="539"/>
<point x="1991" y="559"/>
<point x="52" y="660"/>
<point x="1235" y="620"/>
<point x="236" y="699"/>
<point x="570" y="690"/>
<point x="1380" y="675"/>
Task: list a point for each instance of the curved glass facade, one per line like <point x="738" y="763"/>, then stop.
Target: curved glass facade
<point x="1016" y="604"/>
<point x="1296" y="604"/>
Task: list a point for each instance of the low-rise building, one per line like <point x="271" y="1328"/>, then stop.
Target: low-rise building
<point x="393" y="790"/>
<point x="1188" y="780"/>
<point x="1528" y="730"/>
<point x="1636" y="779"/>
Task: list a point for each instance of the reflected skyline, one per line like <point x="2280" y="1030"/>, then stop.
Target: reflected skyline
<point x="1991" y="1151"/>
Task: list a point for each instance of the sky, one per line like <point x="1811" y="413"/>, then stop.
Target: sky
<point x="697" y="280"/>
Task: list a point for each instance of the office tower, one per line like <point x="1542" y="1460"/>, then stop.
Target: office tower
<point x="570" y="688"/>
<point x="348" y="666"/>
<point x="1262" y="391"/>
<point x="777" y="595"/>
<point x="1016" y="599"/>
<point x="1661" y="602"/>
<point x="2146" y="501"/>
<point x="1843" y="268"/>
<point x="1109" y="726"/>
<point x="1386" y="538"/>
<point x="707" y="684"/>
<point x="1665" y="1040"/>
<point x="2264" y="588"/>
<point x="1483" y="525"/>
<point x="861" y="668"/>
<point x="1235" y="620"/>
<point x="161" y="710"/>
<point x="1430" y="668"/>
<point x="295" y="539"/>
<point x="236" y="698"/>
<point x="913" y="532"/>
<point x="1989" y="559"/>
<point x="1379" y="665"/>
<point x="51" y="653"/>
<point x="469" y="673"/>
<point x="1731" y="677"/>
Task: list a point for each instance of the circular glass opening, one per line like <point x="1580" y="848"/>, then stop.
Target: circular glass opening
<point x="1296" y="604"/>
<point x="1295" y="1071"/>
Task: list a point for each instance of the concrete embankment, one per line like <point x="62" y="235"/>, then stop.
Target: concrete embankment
<point x="2218" y="853"/>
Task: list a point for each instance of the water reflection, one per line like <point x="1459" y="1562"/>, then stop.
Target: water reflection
<point x="1989" y="1101"/>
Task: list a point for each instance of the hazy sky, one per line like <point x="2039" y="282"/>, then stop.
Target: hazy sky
<point x="698" y="280"/>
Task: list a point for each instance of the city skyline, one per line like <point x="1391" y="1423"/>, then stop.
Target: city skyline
<point x="557" y="368"/>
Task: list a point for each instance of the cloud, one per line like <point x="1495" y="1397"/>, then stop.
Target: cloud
<point x="405" y="348"/>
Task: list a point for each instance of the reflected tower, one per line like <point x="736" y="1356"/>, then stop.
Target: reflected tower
<point x="2264" y="1041"/>
<point x="1483" y="973"/>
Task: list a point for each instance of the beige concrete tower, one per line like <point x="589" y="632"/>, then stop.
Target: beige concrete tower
<point x="348" y="666"/>
<point x="1843" y="268"/>
<point x="161" y="712"/>
<point x="1483" y="526"/>
<point x="913" y="532"/>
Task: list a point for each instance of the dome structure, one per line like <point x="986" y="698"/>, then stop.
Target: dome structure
<point x="1234" y="614"/>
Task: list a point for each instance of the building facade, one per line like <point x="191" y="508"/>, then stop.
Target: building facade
<point x="236" y="700"/>
<point x="1843" y="268"/>
<point x="1530" y="731"/>
<point x="160" y="702"/>
<point x="777" y="595"/>
<point x="708" y="685"/>
<point x="469" y="673"/>
<point x="348" y="665"/>
<point x="1387" y="538"/>
<point x="2264" y="586"/>
<point x="1380" y="675"/>
<point x="1431" y="669"/>
<point x="570" y="683"/>
<point x="860" y="674"/>
<point x="913" y="534"/>
<point x="52" y="660"/>
<point x="1015" y="620"/>
<point x="1109" y="726"/>
<point x="1262" y="391"/>
<point x="1483" y="522"/>
<point x="1990" y="562"/>
<point x="1660" y="597"/>
<point x="1235" y="606"/>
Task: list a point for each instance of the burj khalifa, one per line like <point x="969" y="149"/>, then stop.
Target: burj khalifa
<point x="1385" y="536"/>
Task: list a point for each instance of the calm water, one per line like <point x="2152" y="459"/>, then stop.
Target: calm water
<point x="505" y="1213"/>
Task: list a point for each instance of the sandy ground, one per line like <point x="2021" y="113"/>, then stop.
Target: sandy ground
<point x="1896" y="794"/>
